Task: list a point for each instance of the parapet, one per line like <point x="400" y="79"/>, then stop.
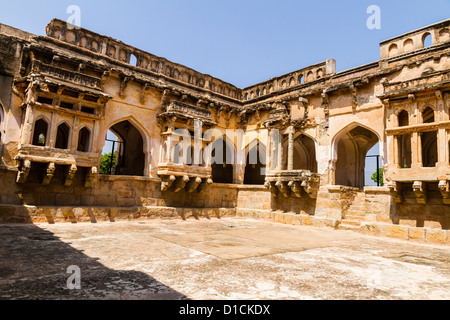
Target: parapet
<point x="291" y="80"/>
<point x="117" y="50"/>
<point x="415" y="40"/>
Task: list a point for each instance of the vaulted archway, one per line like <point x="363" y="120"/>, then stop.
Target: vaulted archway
<point x="351" y="147"/>
<point x="129" y="158"/>
<point x="222" y="166"/>
<point x="255" y="164"/>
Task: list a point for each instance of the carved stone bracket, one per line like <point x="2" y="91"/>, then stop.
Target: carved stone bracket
<point x="272" y="188"/>
<point x="296" y="188"/>
<point x="24" y="171"/>
<point x="311" y="187"/>
<point x="90" y="177"/>
<point x="180" y="183"/>
<point x="420" y="191"/>
<point x="283" y="188"/>
<point x="105" y="77"/>
<point x="167" y="182"/>
<point x="70" y="174"/>
<point x="144" y="90"/>
<point x="206" y="182"/>
<point x="49" y="173"/>
<point x="354" y="91"/>
<point x="193" y="184"/>
<point x="123" y="85"/>
<point x="444" y="187"/>
<point x="396" y="191"/>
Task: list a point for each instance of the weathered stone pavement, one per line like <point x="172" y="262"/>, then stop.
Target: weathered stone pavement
<point x="216" y="259"/>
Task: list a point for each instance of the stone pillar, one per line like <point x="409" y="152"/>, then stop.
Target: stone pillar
<point x="442" y="147"/>
<point x="27" y="131"/>
<point x="269" y="150"/>
<point x="416" y="151"/>
<point x="280" y="153"/>
<point x="291" y="150"/>
<point x="53" y="128"/>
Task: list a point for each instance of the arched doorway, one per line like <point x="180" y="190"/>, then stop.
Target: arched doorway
<point x="255" y="165"/>
<point x="127" y="150"/>
<point x="222" y="163"/>
<point x="352" y="148"/>
<point x="304" y="154"/>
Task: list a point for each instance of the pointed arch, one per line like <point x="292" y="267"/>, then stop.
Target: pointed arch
<point x="63" y="135"/>
<point x="255" y="163"/>
<point x="132" y="154"/>
<point x="84" y="139"/>
<point x="223" y="169"/>
<point x="349" y="149"/>
<point x="40" y="132"/>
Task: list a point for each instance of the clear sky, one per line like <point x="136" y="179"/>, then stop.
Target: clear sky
<point x="240" y="41"/>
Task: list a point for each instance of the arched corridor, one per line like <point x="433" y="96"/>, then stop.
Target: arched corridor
<point x="255" y="165"/>
<point x="130" y="157"/>
<point x="352" y="148"/>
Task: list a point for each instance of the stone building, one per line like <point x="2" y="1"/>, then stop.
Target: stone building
<point x="291" y="149"/>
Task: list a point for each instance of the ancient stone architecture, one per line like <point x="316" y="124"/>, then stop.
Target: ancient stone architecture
<point x="291" y="149"/>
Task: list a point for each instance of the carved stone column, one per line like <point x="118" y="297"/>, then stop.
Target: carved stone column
<point x="291" y="149"/>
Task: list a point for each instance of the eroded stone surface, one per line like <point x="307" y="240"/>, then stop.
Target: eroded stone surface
<point x="216" y="259"/>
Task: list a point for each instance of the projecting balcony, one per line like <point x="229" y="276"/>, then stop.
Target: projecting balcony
<point x="293" y="183"/>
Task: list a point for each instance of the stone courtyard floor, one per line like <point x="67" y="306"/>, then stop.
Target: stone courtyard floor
<point x="226" y="259"/>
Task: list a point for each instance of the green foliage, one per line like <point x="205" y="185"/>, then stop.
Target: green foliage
<point x="106" y="165"/>
<point x="380" y="176"/>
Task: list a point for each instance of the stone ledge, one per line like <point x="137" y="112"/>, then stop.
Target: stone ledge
<point x="406" y="232"/>
<point x="384" y="190"/>
<point x="50" y="214"/>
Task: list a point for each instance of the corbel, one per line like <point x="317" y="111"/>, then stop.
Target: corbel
<point x="104" y="77"/>
<point x="283" y="188"/>
<point x="180" y="183"/>
<point x="419" y="189"/>
<point x="193" y="184"/>
<point x="304" y="103"/>
<point x="23" y="171"/>
<point x="411" y="97"/>
<point x="386" y="103"/>
<point x="123" y="85"/>
<point x="49" y="173"/>
<point x="438" y="94"/>
<point x="396" y="191"/>
<point x="272" y="188"/>
<point x="205" y="183"/>
<point x="167" y="182"/>
<point x="444" y="188"/>
<point x="295" y="188"/>
<point x="144" y="90"/>
<point x="354" y="91"/>
<point x="70" y="174"/>
<point x="311" y="188"/>
<point x="90" y="177"/>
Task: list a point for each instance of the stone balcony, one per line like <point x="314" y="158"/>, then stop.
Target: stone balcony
<point x="176" y="177"/>
<point x="293" y="183"/>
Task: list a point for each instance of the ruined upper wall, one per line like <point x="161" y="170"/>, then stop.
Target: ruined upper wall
<point x="293" y="80"/>
<point x="117" y="50"/>
<point x="414" y="41"/>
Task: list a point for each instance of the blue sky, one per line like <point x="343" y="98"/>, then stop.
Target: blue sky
<point x="240" y="41"/>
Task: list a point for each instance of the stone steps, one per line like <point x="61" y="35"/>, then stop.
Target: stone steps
<point x="359" y="217"/>
<point x="351" y="222"/>
<point x="349" y="225"/>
